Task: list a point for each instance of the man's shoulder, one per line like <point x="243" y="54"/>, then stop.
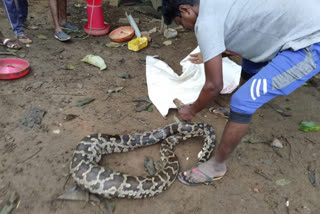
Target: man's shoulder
<point x="214" y="11"/>
<point x="216" y="5"/>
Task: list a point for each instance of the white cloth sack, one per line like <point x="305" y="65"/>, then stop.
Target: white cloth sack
<point x="164" y="85"/>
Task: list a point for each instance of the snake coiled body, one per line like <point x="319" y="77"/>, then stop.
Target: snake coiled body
<point x="96" y="179"/>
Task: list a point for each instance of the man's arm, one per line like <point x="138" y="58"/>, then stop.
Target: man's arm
<point x="211" y="88"/>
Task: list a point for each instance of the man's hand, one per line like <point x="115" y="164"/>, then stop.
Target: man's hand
<point x="196" y="58"/>
<point x="186" y="113"/>
<point x="213" y="85"/>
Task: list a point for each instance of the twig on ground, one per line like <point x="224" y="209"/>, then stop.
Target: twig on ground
<point x="65" y="183"/>
<point x="82" y="37"/>
<point x="8" y="53"/>
<point x="9" y="131"/>
<point x="261" y="173"/>
<point x="290" y="148"/>
<point x="310" y="140"/>
<point x="68" y="95"/>
<point x="31" y="156"/>
<point x="277" y="152"/>
<point x="280" y="110"/>
<point x="107" y="96"/>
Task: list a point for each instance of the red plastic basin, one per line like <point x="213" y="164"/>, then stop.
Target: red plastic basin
<point x="12" y="68"/>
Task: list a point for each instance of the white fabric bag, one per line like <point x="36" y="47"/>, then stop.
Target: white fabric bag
<point x="164" y="84"/>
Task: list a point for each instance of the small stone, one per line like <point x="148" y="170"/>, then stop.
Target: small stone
<point x="153" y="30"/>
<point x="70" y="117"/>
<point x="80" y="85"/>
<point x="56" y="131"/>
<point x="277" y="143"/>
<point x="170" y="33"/>
<point x="155" y="20"/>
<point x="167" y="43"/>
<point x="9" y="138"/>
<point x="256" y="190"/>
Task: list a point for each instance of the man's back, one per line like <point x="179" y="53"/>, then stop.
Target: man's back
<point x="259" y="30"/>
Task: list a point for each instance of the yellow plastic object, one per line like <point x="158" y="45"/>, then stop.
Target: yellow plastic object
<point x="138" y="43"/>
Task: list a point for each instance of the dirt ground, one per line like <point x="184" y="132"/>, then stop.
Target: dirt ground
<point x="34" y="162"/>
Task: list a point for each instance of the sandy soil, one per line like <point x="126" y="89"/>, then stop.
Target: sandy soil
<point x="34" y="162"/>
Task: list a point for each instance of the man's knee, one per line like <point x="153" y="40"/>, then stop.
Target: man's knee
<point x="239" y="110"/>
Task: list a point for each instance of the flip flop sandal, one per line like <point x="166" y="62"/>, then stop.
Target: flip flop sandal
<point x="24" y="39"/>
<point x="222" y="112"/>
<point x="62" y="36"/>
<point x="11" y="44"/>
<point x="69" y="26"/>
<point x="182" y="178"/>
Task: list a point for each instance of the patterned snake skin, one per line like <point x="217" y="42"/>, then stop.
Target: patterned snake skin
<point x="107" y="183"/>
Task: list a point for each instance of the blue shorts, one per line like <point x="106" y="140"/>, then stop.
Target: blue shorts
<point x="285" y="73"/>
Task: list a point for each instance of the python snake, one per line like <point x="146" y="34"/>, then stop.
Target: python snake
<point x="89" y="175"/>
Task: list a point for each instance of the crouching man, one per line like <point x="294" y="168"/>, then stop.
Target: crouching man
<point x="280" y="45"/>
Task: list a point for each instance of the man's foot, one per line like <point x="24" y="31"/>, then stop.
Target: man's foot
<point x="62" y="36"/>
<point x="69" y="26"/>
<point x="24" y="39"/>
<point x="203" y="173"/>
<point x="29" y="26"/>
<point x="222" y="112"/>
<point x="11" y="44"/>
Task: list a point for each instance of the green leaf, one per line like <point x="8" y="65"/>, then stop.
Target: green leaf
<point x="309" y="126"/>
<point x="69" y="67"/>
<point x="43" y="37"/>
<point x="282" y="182"/>
<point x="84" y="102"/>
<point x="150" y="109"/>
<point x="95" y="60"/>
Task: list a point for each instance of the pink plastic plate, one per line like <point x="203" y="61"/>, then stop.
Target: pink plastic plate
<point x="11" y="68"/>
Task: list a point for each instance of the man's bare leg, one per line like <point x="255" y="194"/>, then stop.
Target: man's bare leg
<point x="54" y="12"/>
<point x="216" y="166"/>
<point x="62" y="12"/>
